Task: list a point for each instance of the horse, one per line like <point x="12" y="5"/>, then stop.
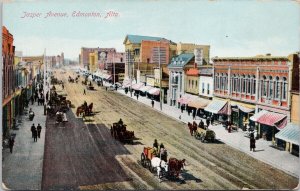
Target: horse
<point x="90" y="108"/>
<point x="160" y="166"/>
<point x="175" y="166"/>
<point x="190" y="126"/>
<point x="79" y="111"/>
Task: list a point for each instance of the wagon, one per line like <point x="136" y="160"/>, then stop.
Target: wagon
<point x="205" y="135"/>
<point x="119" y="132"/>
<point x="146" y="157"/>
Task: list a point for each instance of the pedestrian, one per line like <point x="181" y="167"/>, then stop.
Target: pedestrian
<point x="32" y="129"/>
<point x="182" y="107"/>
<point x="189" y="110"/>
<point x="194" y="114"/>
<point x="39" y="129"/>
<point x="207" y="121"/>
<point x="11" y="144"/>
<point x="32" y="99"/>
<point x="63" y="87"/>
<point x="152" y="103"/>
<point x="201" y="124"/>
<point x="137" y="96"/>
<point x="84" y="92"/>
<point x="155" y="144"/>
<point x="106" y="88"/>
<point x="252" y="142"/>
<point x="212" y="120"/>
<point x="35" y="135"/>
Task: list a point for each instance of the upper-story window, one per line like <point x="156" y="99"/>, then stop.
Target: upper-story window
<point x="225" y="81"/>
<point x="208" y="89"/>
<point x="243" y="84"/>
<point x="222" y="81"/>
<point x="249" y="84"/>
<point x="196" y="82"/>
<point x="202" y="88"/>
<point x="136" y="51"/>
<point x="271" y="87"/>
<point x="277" y="88"/>
<point x="284" y="88"/>
<point x="192" y="83"/>
<point x="253" y="91"/>
<point x="264" y="86"/>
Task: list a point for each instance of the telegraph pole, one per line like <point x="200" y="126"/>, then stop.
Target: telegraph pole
<point x="114" y="68"/>
<point x="160" y="76"/>
<point x="45" y="72"/>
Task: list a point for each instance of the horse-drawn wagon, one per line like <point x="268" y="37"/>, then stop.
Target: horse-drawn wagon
<point x="157" y="162"/>
<point x="205" y="135"/>
<point x="119" y="132"/>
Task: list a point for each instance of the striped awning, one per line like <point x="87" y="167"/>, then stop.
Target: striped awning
<point x="154" y="91"/>
<point x="137" y="86"/>
<point x="291" y="133"/>
<point x="145" y="88"/>
<point x="245" y="109"/>
<point x="198" y="103"/>
<point x="256" y="116"/>
<point x="273" y="119"/>
<point x="217" y="107"/>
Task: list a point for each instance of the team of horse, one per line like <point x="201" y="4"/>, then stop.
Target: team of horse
<point x="84" y="110"/>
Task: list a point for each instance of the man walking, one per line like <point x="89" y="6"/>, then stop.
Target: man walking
<point x="35" y="135"/>
<point x="207" y="122"/>
<point x="84" y="92"/>
<point x="137" y="96"/>
<point x="32" y="129"/>
<point x="194" y="114"/>
<point x="11" y="144"/>
<point x="39" y="129"/>
<point x="152" y="103"/>
<point x="252" y="142"/>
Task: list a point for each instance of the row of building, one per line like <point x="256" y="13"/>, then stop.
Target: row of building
<point x="20" y="74"/>
<point x="260" y="91"/>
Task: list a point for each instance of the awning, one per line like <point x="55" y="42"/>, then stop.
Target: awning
<point x="256" y="116"/>
<point x="198" y="103"/>
<point x="145" y="88"/>
<point x="217" y="107"/>
<point x="291" y="133"/>
<point x="273" y="119"/>
<point x="183" y="100"/>
<point x="245" y="109"/>
<point x="137" y="86"/>
<point x="154" y="91"/>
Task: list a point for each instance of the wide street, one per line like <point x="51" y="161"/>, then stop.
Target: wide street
<point x="82" y="154"/>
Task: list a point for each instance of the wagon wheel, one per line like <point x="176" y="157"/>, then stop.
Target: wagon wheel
<point x="143" y="158"/>
<point x="149" y="165"/>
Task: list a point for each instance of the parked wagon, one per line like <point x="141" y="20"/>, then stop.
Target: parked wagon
<point x="119" y="132"/>
<point x="205" y="135"/>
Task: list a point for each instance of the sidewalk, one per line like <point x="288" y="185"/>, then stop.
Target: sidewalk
<point x="264" y="152"/>
<point x="22" y="169"/>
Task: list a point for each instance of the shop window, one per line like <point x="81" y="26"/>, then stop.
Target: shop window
<point x="208" y="89"/>
<point x="202" y="88"/>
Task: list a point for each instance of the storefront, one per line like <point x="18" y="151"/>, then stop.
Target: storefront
<point x="288" y="138"/>
<point x="218" y="109"/>
<point x="241" y="114"/>
<point x="269" y="123"/>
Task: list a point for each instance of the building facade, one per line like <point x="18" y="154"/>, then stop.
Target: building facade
<point x="8" y="81"/>
<point x="252" y="84"/>
<point x="206" y="81"/>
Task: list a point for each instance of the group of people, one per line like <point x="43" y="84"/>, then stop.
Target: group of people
<point x="36" y="132"/>
<point x="159" y="150"/>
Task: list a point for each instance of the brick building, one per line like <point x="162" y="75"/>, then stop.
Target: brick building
<point x="8" y="80"/>
<point x="256" y="88"/>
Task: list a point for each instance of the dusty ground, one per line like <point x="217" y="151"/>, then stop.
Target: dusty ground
<point x="209" y="166"/>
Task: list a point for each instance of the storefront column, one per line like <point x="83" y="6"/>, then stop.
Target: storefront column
<point x="287" y="146"/>
<point x="291" y="147"/>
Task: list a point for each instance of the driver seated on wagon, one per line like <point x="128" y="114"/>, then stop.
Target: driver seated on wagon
<point x="120" y="121"/>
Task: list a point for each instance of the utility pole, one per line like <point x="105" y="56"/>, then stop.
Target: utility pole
<point x="45" y="72"/>
<point x="114" y="68"/>
<point x="160" y="76"/>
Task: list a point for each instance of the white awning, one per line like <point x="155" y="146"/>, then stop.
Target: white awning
<point x="145" y="88"/>
<point x="291" y="133"/>
<point x="215" y="106"/>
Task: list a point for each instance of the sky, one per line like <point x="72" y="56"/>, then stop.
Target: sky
<point x="231" y="28"/>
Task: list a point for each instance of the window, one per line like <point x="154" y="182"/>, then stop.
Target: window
<point x="136" y="51"/>
<point x="189" y="83"/>
<point x="277" y="87"/>
<point x="253" y="85"/>
<point x="207" y="89"/>
<point x="196" y="84"/>
<point x="221" y="82"/>
<point x="271" y="84"/>
<point x="249" y="84"/>
<point x="121" y="59"/>
<point x="264" y="83"/>
<point x="202" y="88"/>
<point x="148" y="60"/>
<point x="225" y="82"/>
<point x="192" y="83"/>
<point x="243" y="84"/>
<point x="284" y="88"/>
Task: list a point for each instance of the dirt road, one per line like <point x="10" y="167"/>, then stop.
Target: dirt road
<point x="209" y="166"/>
